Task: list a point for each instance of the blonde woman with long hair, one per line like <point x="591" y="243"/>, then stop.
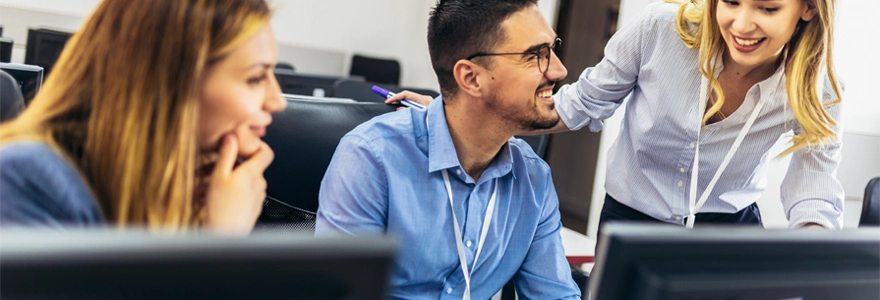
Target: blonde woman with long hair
<point x="714" y="85"/>
<point x="152" y="118"/>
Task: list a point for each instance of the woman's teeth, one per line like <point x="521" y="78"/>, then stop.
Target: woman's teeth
<point x="747" y="42"/>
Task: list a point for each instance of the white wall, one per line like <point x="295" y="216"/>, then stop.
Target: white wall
<point x="856" y="61"/>
<point x="79" y="8"/>
<point x="395" y="29"/>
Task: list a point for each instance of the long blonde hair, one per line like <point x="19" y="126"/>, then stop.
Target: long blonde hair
<point x="808" y="51"/>
<point x="122" y="102"/>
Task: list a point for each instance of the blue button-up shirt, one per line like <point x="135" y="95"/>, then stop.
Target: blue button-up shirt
<point x="385" y="178"/>
<point x="649" y="165"/>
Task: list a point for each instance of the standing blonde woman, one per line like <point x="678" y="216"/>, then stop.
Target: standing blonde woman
<point x="715" y="83"/>
<point x="152" y="118"/>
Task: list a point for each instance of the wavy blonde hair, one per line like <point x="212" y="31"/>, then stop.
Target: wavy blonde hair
<point x="122" y="102"/>
<point x="807" y="56"/>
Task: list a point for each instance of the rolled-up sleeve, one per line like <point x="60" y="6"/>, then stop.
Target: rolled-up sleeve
<point x="600" y="90"/>
<point x="810" y="191"/>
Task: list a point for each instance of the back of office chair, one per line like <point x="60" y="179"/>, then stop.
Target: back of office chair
<point x="386" y="71"/>
<point x="285" y="66"/>
<point x="871" y="204"/>
<point x="538" y="143"/>
<point x="304" y="137"/>
<point x="360" y="91"/>
<point x="11" y="99"/>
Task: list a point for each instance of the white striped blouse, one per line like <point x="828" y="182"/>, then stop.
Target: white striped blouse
<point x="649" y="164"/>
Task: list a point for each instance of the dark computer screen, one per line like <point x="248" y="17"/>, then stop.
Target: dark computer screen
<point x="669" y="262"/>
<point x="6" y="49"/>
<point x="267" y="265"/>
<point x="29" y="79"/>
<point x="305" y="84"/>
<point x="44" y="46"/>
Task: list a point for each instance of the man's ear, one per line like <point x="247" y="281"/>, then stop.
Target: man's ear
<point x="467" y="75"/>
<point x="811" y="11"/>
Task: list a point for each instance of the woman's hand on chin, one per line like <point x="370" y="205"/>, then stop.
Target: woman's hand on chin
<point x="236" y="192"/>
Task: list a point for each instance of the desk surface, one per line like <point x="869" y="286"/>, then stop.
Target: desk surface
<point x="579" y="248"/>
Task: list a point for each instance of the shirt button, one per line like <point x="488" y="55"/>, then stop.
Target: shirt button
<point x="449" y="291"/>
<point x="680" y="182"/>
<point x="458" y="171"/>
<point x="681" y="170"/>
<point x="693" y="145"/>
<point x="468" y="244"/>
<point x="677" y="218"/>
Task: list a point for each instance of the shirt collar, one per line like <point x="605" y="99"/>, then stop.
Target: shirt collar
<point x="441" y="150"/>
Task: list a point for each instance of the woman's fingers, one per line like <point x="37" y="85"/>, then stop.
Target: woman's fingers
<point x="227" y="156"/>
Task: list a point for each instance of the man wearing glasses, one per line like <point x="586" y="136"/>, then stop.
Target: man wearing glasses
<point x="470" y="206"/>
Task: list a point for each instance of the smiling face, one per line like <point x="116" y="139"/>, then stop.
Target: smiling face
<point x="239" y="94"/>
<point x="756" y="31"/>
<point x="520" y="92"/>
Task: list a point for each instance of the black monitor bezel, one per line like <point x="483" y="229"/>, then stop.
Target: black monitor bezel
<point x="639" y="261"/>
<point x="34" y="47"/>
<point x="101" y="264"/>
<point x="14" y="70"/>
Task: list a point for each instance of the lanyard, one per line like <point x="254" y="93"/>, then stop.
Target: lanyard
<point x="693" y="203"/>
<point x="486" y="220"/>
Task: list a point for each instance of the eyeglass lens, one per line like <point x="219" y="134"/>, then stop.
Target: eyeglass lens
<point x="544" y="55"/>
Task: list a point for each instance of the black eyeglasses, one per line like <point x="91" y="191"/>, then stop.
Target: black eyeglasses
<point x="542" y="54"/>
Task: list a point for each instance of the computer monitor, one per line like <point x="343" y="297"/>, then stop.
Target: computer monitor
<point x="44" y="46"/>
<point x="5" y="49"/>
<point x="29" y="78"/>
<point x="670" y="262"/>
<point x="305" y="84"/>
<point x="78" y="264"/>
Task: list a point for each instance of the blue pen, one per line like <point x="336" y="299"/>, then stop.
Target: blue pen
<point x="388" y="94"/>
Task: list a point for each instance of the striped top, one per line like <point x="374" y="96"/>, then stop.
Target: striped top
<point x="649" y="164"/>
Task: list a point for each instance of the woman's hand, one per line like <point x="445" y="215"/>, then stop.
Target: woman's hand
<point x="235" y="194"/>
<point x="418" y="98"/>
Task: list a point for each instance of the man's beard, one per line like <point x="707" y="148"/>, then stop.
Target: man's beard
<point x="539" y="122"/>
<point x="530" y="120"/>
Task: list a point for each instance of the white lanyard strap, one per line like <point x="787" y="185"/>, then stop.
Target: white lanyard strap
<point x="458" y="239"/>
<point x="696" y="205"/>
